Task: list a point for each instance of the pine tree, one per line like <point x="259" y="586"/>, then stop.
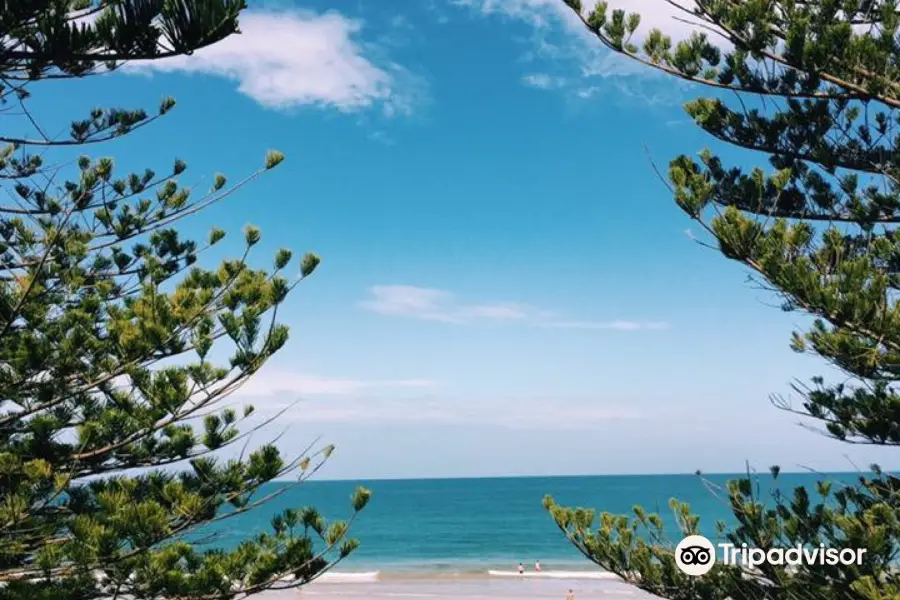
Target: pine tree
<point x="813" y="87"/>
<point x="111" y="414"/>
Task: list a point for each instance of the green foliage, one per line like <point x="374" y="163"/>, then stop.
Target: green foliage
<point x="816" y="92"/>
<point x="110" y="400"/>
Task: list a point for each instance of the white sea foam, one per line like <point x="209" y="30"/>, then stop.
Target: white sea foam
<point x="366" y="577"/>
<point x="557" y="574"/>
<point x="329" y="577"/>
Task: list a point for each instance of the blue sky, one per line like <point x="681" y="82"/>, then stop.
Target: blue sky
<point x="506" y="286"/>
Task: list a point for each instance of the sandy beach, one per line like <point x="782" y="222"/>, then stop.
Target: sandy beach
<point x="480" y="588"/>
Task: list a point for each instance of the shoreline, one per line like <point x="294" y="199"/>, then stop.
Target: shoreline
<point x="346" y="576"/>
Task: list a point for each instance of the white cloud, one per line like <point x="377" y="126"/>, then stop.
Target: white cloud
<point x="510" y="413"/>
<point x="560" y="40"/>
<point x="563" y="415"/>
<point x="543" y="81"/>
<point x="375" y="409"/>
<point x="440" y="305"/>
<point x="287" y="59"/>
<point x="619" y="325"/>
<point x="313" y="399"/>
<point x="540" y="13"/>
<point x="497" y="312"/>
<point x="655" y="14"/>
<point x="411" y="301"/>
<point x="274" y="382"/>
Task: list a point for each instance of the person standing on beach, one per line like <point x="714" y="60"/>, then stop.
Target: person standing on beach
<point x="570" y="595"/>
<point x="537" y="566"/>
<point x="521" y="569"/>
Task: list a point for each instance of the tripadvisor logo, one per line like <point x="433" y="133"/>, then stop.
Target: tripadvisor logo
<point x="695" y="555"/>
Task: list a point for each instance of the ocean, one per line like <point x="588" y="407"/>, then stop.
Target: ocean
<point x="440" y="528"/>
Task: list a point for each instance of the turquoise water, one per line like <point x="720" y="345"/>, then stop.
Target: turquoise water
<point x="471" y="525"/>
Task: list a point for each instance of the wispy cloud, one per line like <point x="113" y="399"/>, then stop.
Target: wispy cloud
<point x="504" y="412"/>
<point x="440" y="305"/>
<point x="285" y="59"/>
<point x="563" y="414"/>
<point x="562" y="43"/>
<point x="543" y="81"/>
<point x="382" y="137"/>
<point x="618" y="324"/>
<point x="271" y="382"/>
<point x="548" y="14"/>
<point x="539" y="13"/>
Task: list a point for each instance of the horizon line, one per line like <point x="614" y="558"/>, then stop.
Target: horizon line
<point x="582" y="475"/>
